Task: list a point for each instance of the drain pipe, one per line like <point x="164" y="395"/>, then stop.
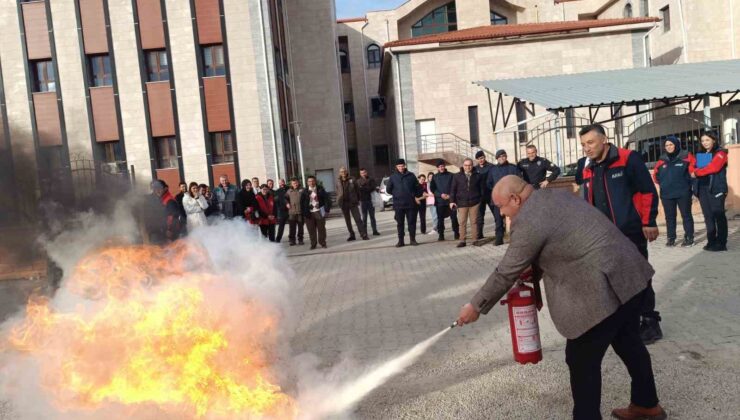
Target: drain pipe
<point x="269" y="96"/>
<point x="732" y="27"/>
<point x="364" y="82"/>
<point x="646" y="46"/>
<point x="683" y="33"/>
<point x="397" y="84"/>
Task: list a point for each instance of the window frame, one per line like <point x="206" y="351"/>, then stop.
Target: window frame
<point x="158" y="70"/>
<point x="217" y="69"/>
<point x="628" y="11"/>
<point x="665" y="15"/>
<point x="44" y="83"/>
<point x="380" y="113"/>
<point x="349" y="112"/>
<point x="377" y="59"/>
<point x="221" y="154"/>
<point x="344" y="65"/>
<point x="386" y="160"/>
<point x="171" y="160"/>
<point x="448" y="11"/>
<point x="498" y="17"/>
<point x="474" y="125"/>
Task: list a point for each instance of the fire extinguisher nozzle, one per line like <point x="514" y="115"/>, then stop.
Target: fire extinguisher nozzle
<point x="454" y="324"/>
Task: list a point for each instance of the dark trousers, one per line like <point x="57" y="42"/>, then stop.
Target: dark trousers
<point x="368" y="209"/>
<point x="295" y="223"/>
<point x="482" y="214"/>
<point x="355" y="212"/>
<point x="444" y="212"/>
<point x="585" y="353"/>
<point x="684" y="206"/>
<point x="648" y="309"/>
<point x="268" y="231"/>
<point x="409" y="216"/>
<point x="282" y="220"/>
<point x="316" y="226"/>
<point x="715" y="219"/>
<point x="500" y="223"/>
<point x="423" y="217"/>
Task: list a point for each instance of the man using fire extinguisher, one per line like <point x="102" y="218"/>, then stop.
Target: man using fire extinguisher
<point x="595" y="282"/>
<point x="617" y="182"/>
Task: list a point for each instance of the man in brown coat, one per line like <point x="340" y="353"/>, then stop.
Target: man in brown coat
<point x="295" y="215"/>
<point x="348" y="198"/>
<point x="595" y="281"/>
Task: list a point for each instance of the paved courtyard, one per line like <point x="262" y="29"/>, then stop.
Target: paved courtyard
<point x="369" y="300"/>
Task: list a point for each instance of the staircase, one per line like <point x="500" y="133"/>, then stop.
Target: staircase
<point x="448" y="147"/>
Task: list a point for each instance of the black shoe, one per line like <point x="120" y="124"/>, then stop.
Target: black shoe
<point x="351" y="238"/>
<point x="414" y="243"/>
<point x="400" y="244"/>
<point x="376" y="233"/>
<point x="441" y="238"/>
<point x="313" y="246"/>
<point x="687" y="242"/>
<point x="365" y="238"/>
<point x="461" y="245"/>
<point x="292" y="244"/>
<point x="323" y="245"/>
<point x="671" y="242"/>
<point x="650" y="330"/>
<point x="457" y="236"/>
<point x="717" y="248"/>
<point x="708" y="246"/>
<point x="300" y="242"/>
<point x="499" y="241"/>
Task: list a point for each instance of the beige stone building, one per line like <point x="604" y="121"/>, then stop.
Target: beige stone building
<point x="179" y="90"/>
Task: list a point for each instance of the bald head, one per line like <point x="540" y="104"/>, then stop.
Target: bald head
<point x="510" y="193"/>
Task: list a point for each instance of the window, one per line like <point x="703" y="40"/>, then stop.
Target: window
<point x="344" y="61"/>
<point x="157" y="67"/>
<point x="112" y="154"/>
<point x="627" y="10"/>
<point x="665" y="15"/>
<point x="354" y="160"/>
<point x="349" y="112"/>
<point x="521" y="115"/>
<point x="100" y="73"/>
<point x="442" y="19"/>
<point x="213" y="61"/>
<point x="382" y="155"/>
<point x="378" y="107"/>
<point x="644" y="8"/>
<point x="373" y="56"/>
<point x="166" y="152"/>
<point x="44" y="79"/>
<point x="222" y="147"/>
<point x="278" y="64"/>
<point x="473" y="124"/>
<point x="570" y="123"/>
<point x="497" y="19"/>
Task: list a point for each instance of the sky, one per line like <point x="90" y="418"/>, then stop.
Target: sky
<point x="358" y="8"/>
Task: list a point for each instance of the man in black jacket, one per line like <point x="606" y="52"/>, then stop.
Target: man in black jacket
<point x="496" y="174"/>
<point x="282" y="209"/>
<point x="367" y="187"/>
<point x="441" y="188"/>
<point x="405" y="188"/>
<point x="535" y="169"/>
<point x="466" y="198"/>
<point x="315" y="204"/>
<point x="483" y="168"/>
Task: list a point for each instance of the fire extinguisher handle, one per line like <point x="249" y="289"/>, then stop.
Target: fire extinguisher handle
<point x="504" y="302"/>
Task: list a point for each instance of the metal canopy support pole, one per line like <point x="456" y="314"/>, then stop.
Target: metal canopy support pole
<point x="707" y="111"/>
<point x="558" y="140"/>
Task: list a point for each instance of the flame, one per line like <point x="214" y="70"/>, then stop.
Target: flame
<point x="156" y="327"/>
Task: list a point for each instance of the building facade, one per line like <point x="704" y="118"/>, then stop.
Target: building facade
<point x="178" y="90"/>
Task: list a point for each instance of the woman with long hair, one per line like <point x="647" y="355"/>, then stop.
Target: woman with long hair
<point x="430" y="203"/>
<point x="195" y="205"/>
<point x="712" y="189"/>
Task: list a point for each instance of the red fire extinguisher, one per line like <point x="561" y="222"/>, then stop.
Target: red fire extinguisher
<point x="525" y="332"/>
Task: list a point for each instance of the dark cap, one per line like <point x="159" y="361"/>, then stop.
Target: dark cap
<point x="440" y="162"/>
<point x="480" y="153"/>
<point x="500" y="152"/>
<point x="158" y="185"/>
<point x="401" y="162"/>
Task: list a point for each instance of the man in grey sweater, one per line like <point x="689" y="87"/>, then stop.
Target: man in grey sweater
<point x="595" y="281"/>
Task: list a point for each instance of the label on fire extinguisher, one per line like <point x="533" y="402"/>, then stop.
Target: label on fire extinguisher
<point x="527" y="332"/>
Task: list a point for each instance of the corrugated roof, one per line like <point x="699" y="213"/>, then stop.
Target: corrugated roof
<point x="352" y="19"/>
<point x="635" y="85"/>
<point x="505" y="31"/>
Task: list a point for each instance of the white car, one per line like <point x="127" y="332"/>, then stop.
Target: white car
<point x="387" y="198"/>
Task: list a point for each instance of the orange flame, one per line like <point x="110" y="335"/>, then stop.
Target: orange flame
<point x="156" y="327"/>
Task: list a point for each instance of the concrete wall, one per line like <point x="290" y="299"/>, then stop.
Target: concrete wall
<point x="733" y="179"/>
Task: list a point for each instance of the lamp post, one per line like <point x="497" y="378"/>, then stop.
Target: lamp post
<point x="300" y="150"/>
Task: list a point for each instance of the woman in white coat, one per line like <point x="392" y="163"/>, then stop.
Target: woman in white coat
<point x="195" y="205"/>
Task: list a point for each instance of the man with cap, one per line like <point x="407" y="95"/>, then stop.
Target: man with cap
<point x="405" y="189"/>
<point x="482" y="168"/>
<point x="164" y="225"/>
<point x="498" y="172"/>
<point x="535" y="169"/>
<point x="442" y="188"/>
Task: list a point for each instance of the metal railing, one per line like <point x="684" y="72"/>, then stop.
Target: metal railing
<point x="450" y="143"/>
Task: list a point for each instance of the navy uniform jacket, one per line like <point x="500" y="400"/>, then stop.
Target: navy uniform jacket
<point x="404" y="187"/>
<point x="535" y="171"/>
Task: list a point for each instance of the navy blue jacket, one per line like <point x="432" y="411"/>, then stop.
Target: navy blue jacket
<point x="483" y="172"/>
<point x="441" y="184"/>
<point x="466" y="193"/>
<point x="535" y="171"/>
<point x="498" y="172"/>
<point x="716" y="171"/>
<point x="629" y="188"/>
<point x="404" y="187"/>
<point x="673" y="174"/>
